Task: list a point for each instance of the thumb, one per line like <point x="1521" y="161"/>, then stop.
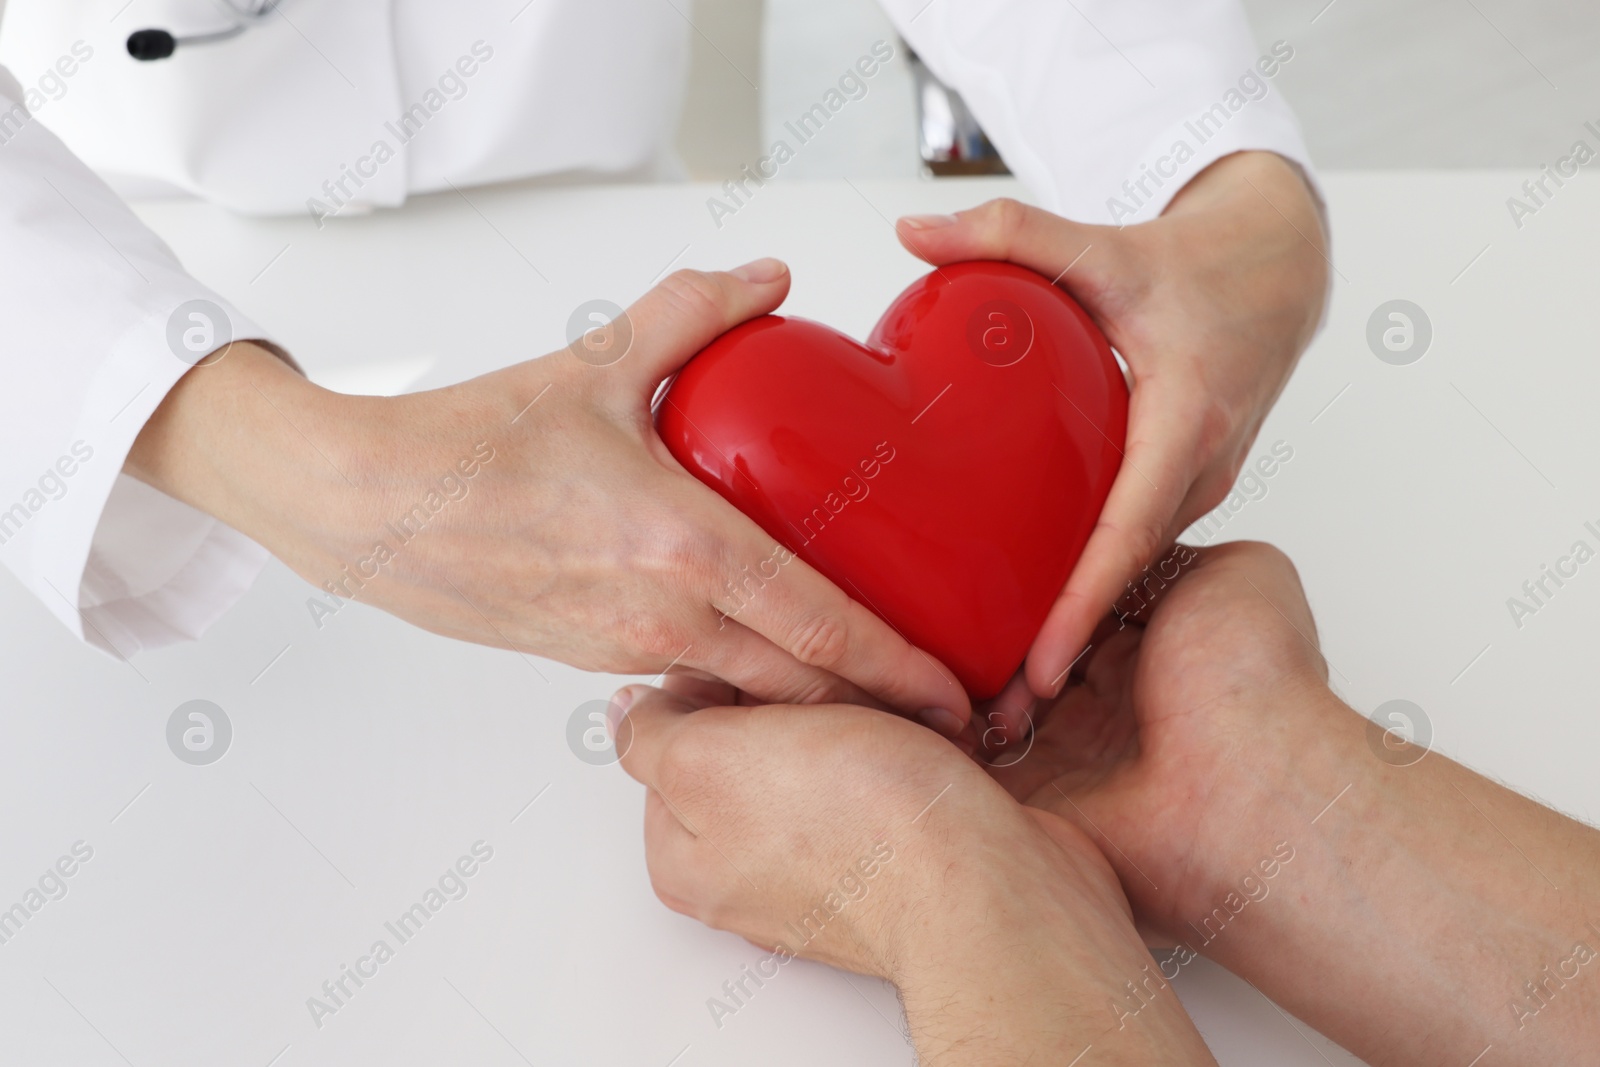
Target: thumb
<point x="664" y="329"/>
<point x="1085" y="260"/>
<point x="650" y="719"/>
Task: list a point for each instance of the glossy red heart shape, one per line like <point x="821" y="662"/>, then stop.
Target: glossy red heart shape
<point x="946" y="474"/>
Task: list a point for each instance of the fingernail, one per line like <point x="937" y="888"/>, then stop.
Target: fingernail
<point x="761" y="271"/>
<point x="929" y="222"/>
<point x="940" y="721"/>
<point x="622" y="699"/>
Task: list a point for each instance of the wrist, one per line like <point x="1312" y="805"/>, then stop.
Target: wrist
<point x="249" y="441"/>
<point x="1248" y="177"/>
<point x="1414" y="889"/>
<point x="1293" y="761"/>
<point x="1260" y="214"/>
<point x="1030" y="952"/>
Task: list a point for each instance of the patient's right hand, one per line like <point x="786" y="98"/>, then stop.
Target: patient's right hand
<point x="1186" y="730"/>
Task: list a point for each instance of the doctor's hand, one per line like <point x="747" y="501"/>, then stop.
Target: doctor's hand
<point x="535" y="509"/>
<point x="1210" y="305"/>
<point x="852" y="837"/>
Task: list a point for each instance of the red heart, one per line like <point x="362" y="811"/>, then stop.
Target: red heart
<point x="946" y="474"/>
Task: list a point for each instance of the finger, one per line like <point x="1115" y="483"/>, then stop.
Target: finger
<point x="1083" y="259"/>
<point x="664" y="329"/>
<point x="1138" y="610"/>
<point x="1108" y="627"/>
<point x="699" y="686"/>
<point x="760" y="669"/>
<point x="671" y="856"/>
<point x="814" y="621"/>
<point x="1134" y="527"/>
<point x="654" y="716"/>
<point x="1008" y="717"/>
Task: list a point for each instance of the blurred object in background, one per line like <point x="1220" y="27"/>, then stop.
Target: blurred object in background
<point x="1377" y="84"/>
<point x="757" y="65"/>
<point x="950" y="140"/>
<point x="720" y="129"/>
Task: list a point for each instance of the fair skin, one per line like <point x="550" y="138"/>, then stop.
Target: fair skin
<point x="1413" y="911"/>
<point x="1420" y="897"/>
<point x="754" y="816"/>
<point x="1211" y="306"/>
<point x="583" y="541"/>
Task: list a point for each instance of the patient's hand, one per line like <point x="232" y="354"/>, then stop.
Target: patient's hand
<point x="850" y="836"/>
<point x="1210" y="305"/>
<point x="1181" y="729"/>
<point x="1413" y="911"/>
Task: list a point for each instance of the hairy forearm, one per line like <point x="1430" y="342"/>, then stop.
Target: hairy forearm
<point x="1033" y="966"/>
<point x="1426" y="913"/>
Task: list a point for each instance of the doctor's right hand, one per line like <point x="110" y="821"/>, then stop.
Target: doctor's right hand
<point x="534" y="508"/>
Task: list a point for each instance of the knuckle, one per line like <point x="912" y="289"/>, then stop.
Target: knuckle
<point x="693" y="294"/>
<point x="1141" y="540"/>
<point x="686" y="770"/>
<point x="1148" y="541"/>
<point x="820" y="641"/>
<point x="1007" y="215"/>
<point x="680" y="563"/>
<point x="1268" y="557"/>
<point x="684" y="551"/>
<point x="675" y="887"/>
<point x="719" y="911"/>
<point x="665" y="893"/>
<point x="651" y="640"/>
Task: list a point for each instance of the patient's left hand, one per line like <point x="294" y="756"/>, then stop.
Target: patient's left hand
<point x="863" y="840"/>
<point x="756" y="814"/>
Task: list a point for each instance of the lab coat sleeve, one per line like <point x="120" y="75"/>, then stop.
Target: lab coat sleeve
<point x="1105" y="108"/>
<point x="88" y="296"/>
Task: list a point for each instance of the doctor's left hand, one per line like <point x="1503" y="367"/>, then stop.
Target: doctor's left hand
<point x="535" y="508"/>
<point x="1211" y="305"/>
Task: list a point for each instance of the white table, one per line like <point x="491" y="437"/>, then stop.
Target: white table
<point x="368" y="756"/>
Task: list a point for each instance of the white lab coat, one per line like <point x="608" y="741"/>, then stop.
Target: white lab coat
<point x="339" y="105"/>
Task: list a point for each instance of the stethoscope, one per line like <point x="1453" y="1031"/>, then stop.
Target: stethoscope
<point x="147" y="45"/>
